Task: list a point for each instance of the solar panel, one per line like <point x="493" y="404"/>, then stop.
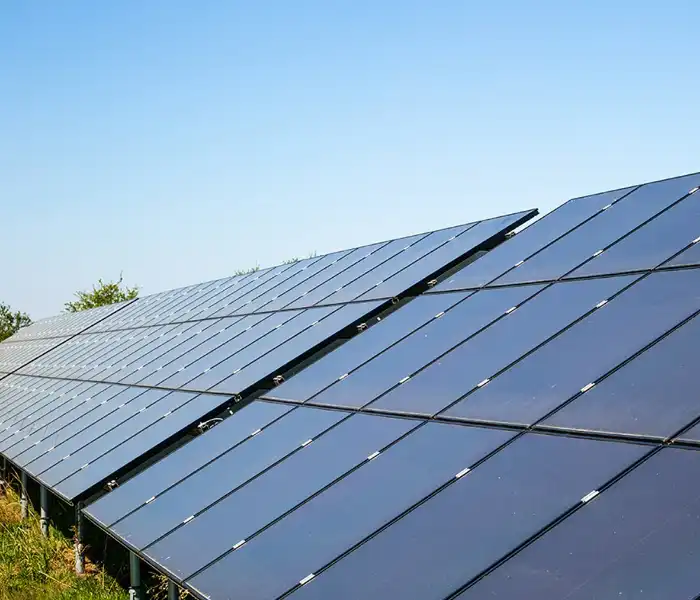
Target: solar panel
<point x="454" y="534"/>
<point x="603" y="230"/>
<point x="638" y="539"/>
<point x="520" y="423"/>
<point x="650" y="245"/>
<point x="120" y="382"/>
<point x="634" y="399"/>
<point x="534" y="238"/>
<point x="583" y="354"/>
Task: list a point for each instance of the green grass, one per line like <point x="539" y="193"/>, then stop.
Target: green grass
<point x="36" y="568"/>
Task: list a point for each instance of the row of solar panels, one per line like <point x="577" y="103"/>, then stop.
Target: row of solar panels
<point x="330" y="504"/>
<point x="82" y="404"/>
<point x="365" y="474"/>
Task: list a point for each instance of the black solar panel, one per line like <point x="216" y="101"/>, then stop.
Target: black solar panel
<point x="638" y="539"/>
<point x="115" y="384"/>
<point x="523" y="426"/>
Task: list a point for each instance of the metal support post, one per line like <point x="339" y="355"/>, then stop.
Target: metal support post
<point x="3" y="476"/>
<point x="23" y="501"/>
<point x="44" y="510"/>
<point x="173" y="591"/>
<point x="78" y="546"/>
<point x="135" y="589"/>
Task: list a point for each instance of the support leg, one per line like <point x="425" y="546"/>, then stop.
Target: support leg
<point x="173" y="591"/>
<point x="135" y="589"/>
<point x="3" y="476"/>
<point x="78" y="546"/>
<point x="44" y="508"/>
<point x="23" y="500"/>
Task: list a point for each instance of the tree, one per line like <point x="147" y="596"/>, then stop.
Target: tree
<point x="102" y="294"/>
<point x="11" y="321"/>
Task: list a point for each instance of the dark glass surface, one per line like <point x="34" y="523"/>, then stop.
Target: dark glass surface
<point x="88" y="447"/>
<point x="146" y="364"/>
<point x="132" y="357"/>
<point x="22" y="395"/>
<point x="259" y="279"/>
<point x="143" y="435"/>
<point x="348" y="511"/>
<point x="275" y="360"/>
<point x="583" y="354"/>
<point x="224" y="474"/>
<point x="209" y="335"/>
<point x="266" y="290"/>
<point x="55" y="454"/>
<point x="310" y="287"/>
<point x="691" y="256"/>
<point x="444" y="381"/>
<point x="451" y="251"/>
<point x="530" y="240"/>
<point x="651" y="245"/>
<point x="654" y="395"/>
<point x="235" y="338"/>
<point x="259" y="348"/>
<point x="142" y="346"/>
<point x="259" y="329"/>
<point x="93" y="351"/>
<point x="184" y="461"/>
<point x="601" y="231"/>
<point x="469" y="525"/>
<point x="182" y="301"/>
<point x="229" y="293"/>
<point x="188" y="341"/>
<point x="193" y="303"/>
<point x="71" y="351"/>
<point x="21" y="417"/>
<point x="70" y="418"/>
<point x="692" y="435"/>
<point x="638" y="539"/>
<point x="406" y="252"/>
<point x="369" y="268"/>
<point x="361" y="348"/>
<point x="424" y="345"/>
<point x="306" y="272"/>
<point x="19" y="400"/>
<point x="238" y="516"/>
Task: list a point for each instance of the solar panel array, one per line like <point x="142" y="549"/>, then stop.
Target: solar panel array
<point x="526" y="428"/>
<point x="91" y="395"/>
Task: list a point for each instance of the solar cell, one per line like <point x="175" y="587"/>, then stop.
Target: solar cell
<point x="422" y="346"/>
<point x="637" y="539"/>
<point x="362" y="348"/>
<point x="692" y="435"/>
<point x="688" y="257"/>
<point x="224" y="474"/>
<point x="472" y="364"/>
<point x="350" y="510"/>
<point x="603" y="230"/>
<point x="273" y="493"/>
<point x="184" y="461"/>
<point x="652" y="244"/>
<point x="536" y="236"/>
<point x="653" y="395"/>
<point x="445" y="254"/>
<point x="180" y="344"/>
<point x="587" y="351"/>
<point x="506" y="499"/>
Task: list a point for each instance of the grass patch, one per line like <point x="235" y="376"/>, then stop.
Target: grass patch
<point x="36" y="568"/>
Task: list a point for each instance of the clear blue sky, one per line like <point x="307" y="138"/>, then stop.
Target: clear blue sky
<point x="178" y="141"/>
